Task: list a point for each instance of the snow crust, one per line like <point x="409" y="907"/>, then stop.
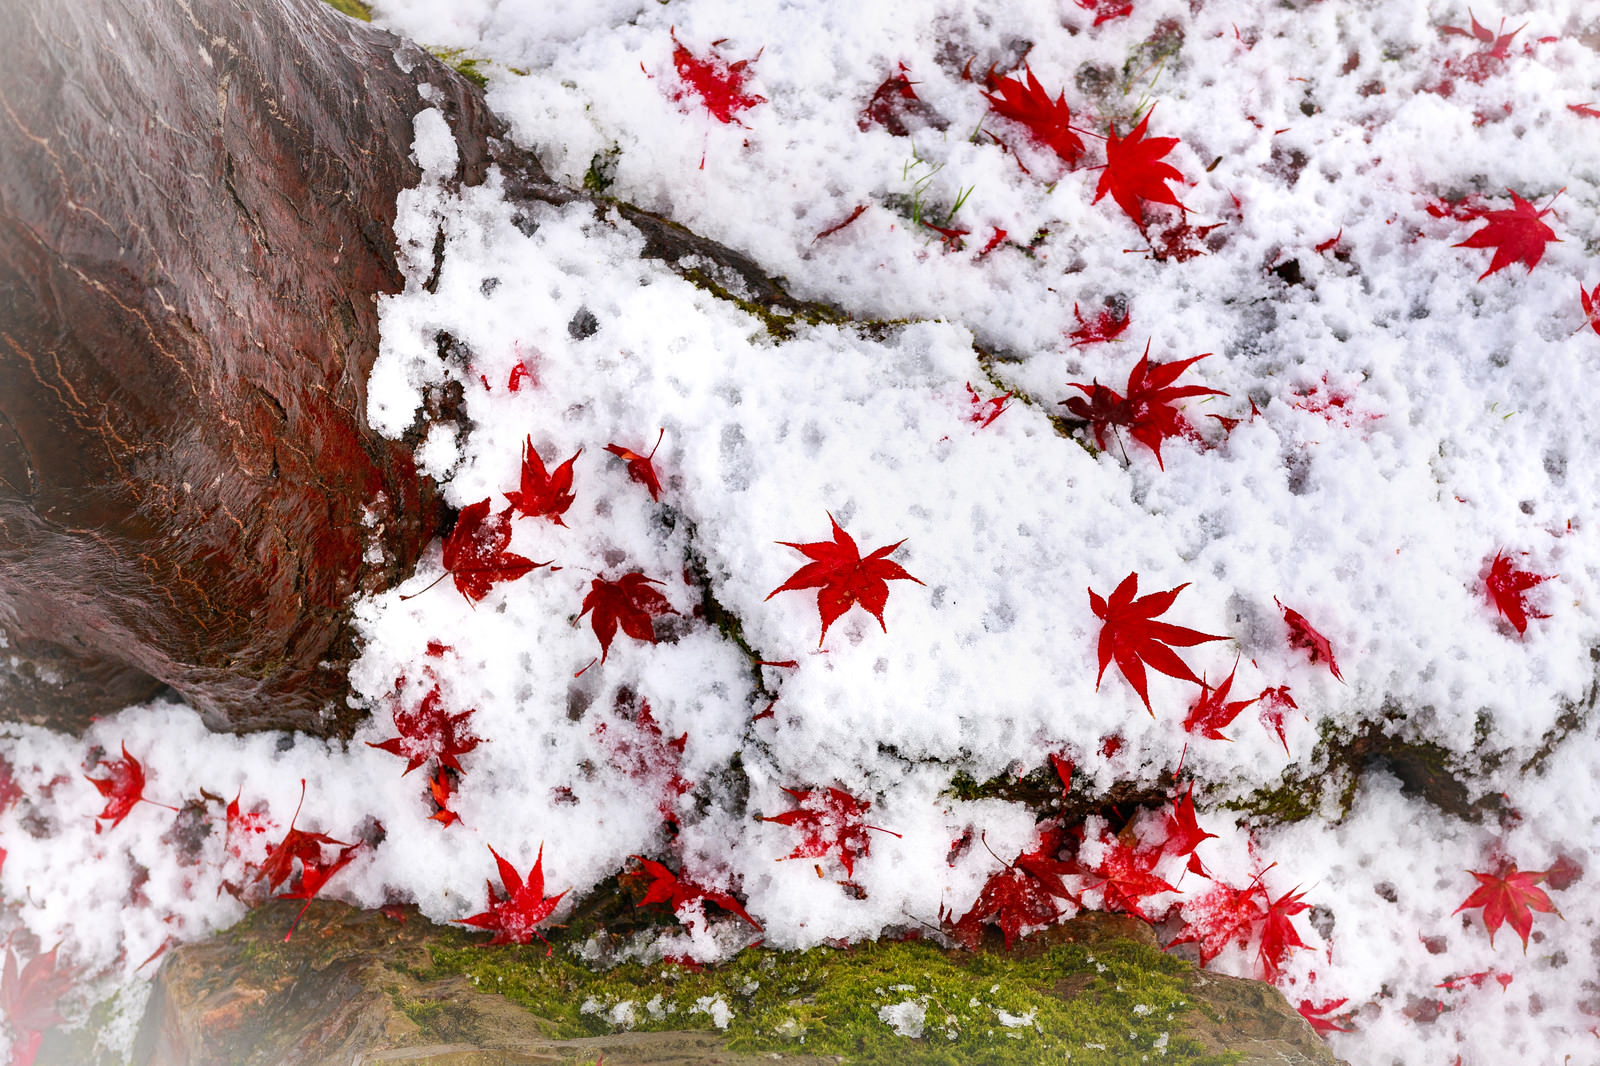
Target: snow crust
<point x="1400" y="422"/>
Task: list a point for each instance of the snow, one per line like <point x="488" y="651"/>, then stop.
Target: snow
<point x="1412" y="421"/>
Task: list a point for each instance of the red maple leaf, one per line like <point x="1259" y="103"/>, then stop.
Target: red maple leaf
<point x="629" y="602"/>
<point x="1026" y="894"/>
<point x="1133" y="174"/>
<point x="896" y="107"/>
<point x="278" y="866"/>
<point x="1221" y="916"/>
<point x="640" y="467"/>
<point x="1489" y="59"/>
<point x="543" y="494"/>
<point x="832" y="821"/>
<point x="984" y="412"/>
<point x="648" y="757"/>
<point x="1586" y="110"/>
<point x="1307" y="639"/>
<point x="429" y="731"/>
<point x="1184" y="834"/>
<point x="123" y="788"/>
<point x="516" y="917"/>
<point x="844" y="578"/>
<point x="1129" y="877"/>
<point x="1212" y="712"/>
<point x="1049" y="122"/>
<point x="1317" y="1015"/>
<point x="1106" y="10"/>
<point x="950" y="238"/>
<point x="1516" y="235"/>
<point x="1146" y="411"/>
<point x="667" y="887"/>
<point x="28" y="1001"/>
<point x="475" y="553"/>
<point x="1507" y="588"/>
<point x="1131" y="636"/>
<point x="1278" y="934"/>
<point x="1181" y="242"/>
<point x="1511" y="895"/>
<point x="1107" y="326"/>
<point x="440" y="787"/>
<point x="1591" y="308"/>
<point x="719" y="85"/>
<point x="1274" y="701"/>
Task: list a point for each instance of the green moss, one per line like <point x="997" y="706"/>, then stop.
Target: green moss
<point x="469" y="67"/>
<point x="780" y="324"/>
<point x="354" y="8"/>
<point x="602" y="172"/>
<point x="1111" y="1002"/>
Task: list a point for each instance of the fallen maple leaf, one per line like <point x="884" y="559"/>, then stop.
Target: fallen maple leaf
<point x="1107" y="325"/>
<point x="429" y="731"/>
<point x="832" y="821"/>
<point x="1278" y="934"/>
<point x="1516" y="235"/>
<point x="896" y="107"/>
<point x="1507" y="589"/>
<point x="844" y="578"/>
<point x="1129" y="877"/>
<point x="515" y="918"/>
<point x="1307" y="639"/>
<point x="984" y="412"/>
<point x="1212" y="711"/>
<point x="647" y="756"/>
<point x="1184" y="834"/>
<point x="641" y="468"/>
<point x="1131" y="636"/>
<point x="1274" y="701"/>
<point x="719" y="85"/>
<point x="1317" y="1015"/>
<point x="1478" y="66"/>
<point x="122" y="789"/>
<point x="475" y="553"/>
<point x="543" y="494"/>
<point x="1106" y="10"/>
<point x="1586" y="110"/>
<point x="28" y="1001"/>
<point x="1591" y="308"/>
<point x="667" y="887"/>
<point x="1146" y="411"/>
<point x="1221" y="916"/>
<point x="1049" y="122"/>
<point x="1510" y="896"/>
<point x="629" y="602"/>
<point x="439" y="787"/>
<point x="278" y="866"/>
<point x="1133" y="174"/>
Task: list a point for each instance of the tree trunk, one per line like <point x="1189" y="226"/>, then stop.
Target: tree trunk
<point x="196" y="202"/>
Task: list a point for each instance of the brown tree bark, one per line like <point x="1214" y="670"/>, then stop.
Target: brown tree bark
<point x="195" y="209"/>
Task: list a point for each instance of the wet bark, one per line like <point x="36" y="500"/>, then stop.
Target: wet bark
<point x="196" y="199"/>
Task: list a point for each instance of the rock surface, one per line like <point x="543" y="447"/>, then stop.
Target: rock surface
<point x="359" y="987"/>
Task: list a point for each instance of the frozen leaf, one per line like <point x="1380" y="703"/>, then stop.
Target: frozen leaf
<point x="543" y="494"/>
<point x="1129" y="878"/>
<point x="1510" y="895"/>
<point x="28" y="999"/>
<point x="1212" y="712"/>
<point x="641" y="468"/>
<point x="1507" y="589"/>
<point x="1516" y="236"/>
<point x="1307" y="639"/>
<point x="122" y="788"/>
<point x="844" y="578"/>
<point x="1591" y="307"/>
<point x="1132" y="637"/>
<point x="1274" y="702"/>
<point x="896" y="107"/>
<point x="667" y="887"/>
<point x="833" y="822"/>
<point x="429" y="731"/>
<point x="515" y="917"/>
<point x="1317" y="1014"/>
<point x="718" y="85"/>
<point x="984" y="412"/>
<point x="475" y="553"/>
<point x="628" y="602"/>
<point x="1278" y="934"/>
<point x="1184" y="834"/>
<point x="1134" y="174"/>
<point x="1107" y="325"/>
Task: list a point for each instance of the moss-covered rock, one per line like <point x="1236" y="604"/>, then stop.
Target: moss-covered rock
<point x="358" y="986"/>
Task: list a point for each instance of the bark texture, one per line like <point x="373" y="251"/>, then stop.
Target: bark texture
<point x="196" y="199"/>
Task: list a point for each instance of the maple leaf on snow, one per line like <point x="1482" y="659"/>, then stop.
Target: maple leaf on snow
<point x="1307" y="639"/>
<point x="719" y="85"/>
<point x="667" y="887"/>
<point x="648" y="757"/>
<point x="1317" y="1014"/>
<point x="1591" y="308"/>
<point x="1507" y="589"/>
<point x="1490" y="58"/>
<point x="984" y="412"/>
<point x="1106" y="10"/>
<point x="543" y="494"/>
<point x="1049" y="122"/>
<point x="1510" y="895"/>
<point x="1146" y="411"/>
<point x="278" y="866"/>
<point x="475" y="553"/>
<point x="429" y="731"/>
<point x="1212" y="712"/>
<point x="123" y="788"/>
<point x="1278" y="934"/>
<point x="628" y="602"/>
<point x="1132" y="637"/>
<point x="439" y="788"/>
<point x="1134" y="174"/>
<point x="1516" y="235"/>
<point x="1220" y="916"/>
<point x="844" y="578"/>
<point x="1107" y="325"/>
<point x="1274" y="702"/>
<point x="515" y="918"/>
<point x="1129" y="876"/>
<point x="832" y="821"/>
<point x="896" y="107"/>
<point x="641" y="468"/>
<point x="1184" y="834"/>
<point x="1026" y="893"/>
<point x="28" y="1000"/>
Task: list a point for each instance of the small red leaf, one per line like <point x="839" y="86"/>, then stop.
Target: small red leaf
<point x="718" y="85"/>
<point x="429" y="731"/>
<point x="1134" y="174"/>
<point x="1147" y="411"/>
<point x="844" y="578"/>
<point x="475" y="553"/>
<point x="1106" y="326"/>
<point x="1307" y="639"/>
<point x="1049" y="122"/>
<point x="1212" y="712"/>
<point x="1516" y="235"/>
<point x="123" y="788"/>
<point x="515" y="917"/>
<point x="628" y="602"/>
<point x="984" y="412"/>
<point x="1507" y="589"/>
<point x="640" y="467"/>
<point x="1132" y="638"/>
<point x="833" y="821"/>
<point x="1511" y="895"/>
<point x="543" y="494"/>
